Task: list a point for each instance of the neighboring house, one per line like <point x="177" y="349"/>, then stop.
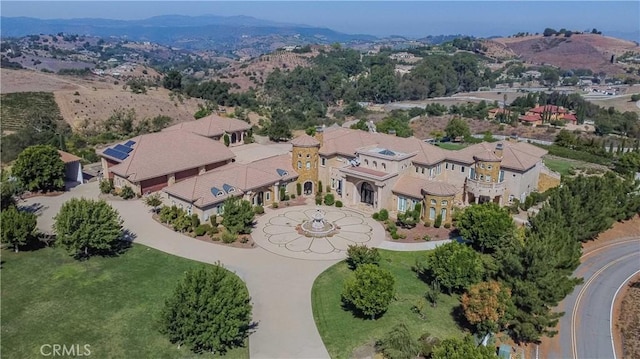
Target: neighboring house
<point x="150" y="162"/>
<point x="72" y="166"/>
<point x="541" y="114"/>
<point x="215" y="127"/>
<point x="258" y="182"/>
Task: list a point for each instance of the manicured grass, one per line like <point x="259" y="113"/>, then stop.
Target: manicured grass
<point x="342" y="332"/>
<point x="451" y="146"/>
<point x="112" y="304"/>
<point x="561" y="166"/>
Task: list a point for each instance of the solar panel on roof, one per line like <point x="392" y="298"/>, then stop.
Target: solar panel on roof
<point x="387" y="152"/>
<point x="115" y="154"/>
<point x="122" y="148"/>
<point x="130" y="143"/>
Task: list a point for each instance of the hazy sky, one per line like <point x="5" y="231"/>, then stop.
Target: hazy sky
<point x="410" y="18"/>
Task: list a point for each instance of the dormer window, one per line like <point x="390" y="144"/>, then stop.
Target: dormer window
<point x="228" y="188"/>
<point x="216" y="192"/>
<point x="283" y="173"/>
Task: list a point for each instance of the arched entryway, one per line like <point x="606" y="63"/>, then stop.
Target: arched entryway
<point x="258" y="199"/>
<point x="308" y="188"/>
<point x="234" y="137"/>
<point x="367" y="193"/>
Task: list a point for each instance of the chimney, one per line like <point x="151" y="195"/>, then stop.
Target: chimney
<point x="319" y="134"/>
<point x="392" y="132"/>
<point x="498" y="150"/>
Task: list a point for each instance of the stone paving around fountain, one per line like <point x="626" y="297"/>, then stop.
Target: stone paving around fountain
<point x="277" y="231"/>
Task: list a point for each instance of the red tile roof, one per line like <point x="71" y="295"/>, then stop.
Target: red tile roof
<point x="67" y="157"/>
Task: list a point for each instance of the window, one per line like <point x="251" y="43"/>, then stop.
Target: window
<point x="323" y="161"/>
<point x="417" y="169"/>
<point x="299" y="154"/>
<point x="333" y="183"/>
<point x="402" y="204"/>
<point x="384" y="166"/>
<point x="453" y="167"/>
<point x="422" y="170"/>
<point x="299" y="164"/>
<point x="443" y="213"/>
<point x="489" y="167"/>
<point x="439" y="169"/>
<point x="462" y="169"/>
<point x="308" y="155"/>
<point x="501" y="178"/>
<point x="444" y="203"/>
<point x="433" y="202"/>
<point x="366" y="162"/>
<point x="432" y="213"/>
<point x="430" y="172"/>
<point x="267" y="196"/>
<point x="446" y="165"/>
<point x="482" y="165"/>
<point x="488" y="178"/>
<point x="481" y="177"/>
<point x="375" y="164"/>
<point x="308" y="165"/>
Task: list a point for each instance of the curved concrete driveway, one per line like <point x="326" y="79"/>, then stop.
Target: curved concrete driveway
<point x="585" y="329"/>
<point x="280" y="287"/>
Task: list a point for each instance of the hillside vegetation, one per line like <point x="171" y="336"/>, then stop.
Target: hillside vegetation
<point x="22" y="108"/>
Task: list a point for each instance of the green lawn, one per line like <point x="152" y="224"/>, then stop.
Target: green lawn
<point x="342" y="332"/>
<point x="451" y="145"/>
<point x="112" y="304"/>
<point x="561" y="166"/>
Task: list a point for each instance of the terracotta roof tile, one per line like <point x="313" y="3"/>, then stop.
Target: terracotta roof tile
<point x="305" y="141"/>
<point x="162" y="153"/>
<point x="211" y="126"/>
<point x="414" y="187"/>
<point x="67" y="157"/>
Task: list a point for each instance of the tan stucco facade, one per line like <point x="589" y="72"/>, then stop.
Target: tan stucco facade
<point x="304" y="161"/>
<point x="435" y="205"/>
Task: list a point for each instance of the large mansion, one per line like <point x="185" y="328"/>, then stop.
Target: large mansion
<point x="367" y="171"/>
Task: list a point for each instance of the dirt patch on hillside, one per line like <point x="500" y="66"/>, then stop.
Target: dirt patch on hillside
<point x="626" y="316"/>
<point x="32" y="81"/>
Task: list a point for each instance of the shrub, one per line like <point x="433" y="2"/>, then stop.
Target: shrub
<point x="228" y="237"/>
<point x="319" y="186"/>
<point x="274" y="205"/>
<point x="226" y="140"/>
<point x="426" y="238"/>
<point x="329" y="199"/>
<point x="438" y="221"/>
<point x="339" y="204"/>
<point x="376" y="216"/>
<point x="282" y="193"/>
<point x="384" y="215"/>
<point x="106" y="186"/>
<point x="427" y="343"/>
<point x="286" y="197"/>
<point x="361" y="254"/>
<point x="293" y="196"/>
<point x="258" y="209"/>
<point x="398" y="343"/>
<point x="318" y="199"/>
<point x="427" y="223"/>
<point x="127" y="192"/>
<point x="213" y="219"/>
<point x="202" y="229"/>
<point x="299" y="189"/>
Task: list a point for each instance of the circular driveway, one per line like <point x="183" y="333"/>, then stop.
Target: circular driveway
<point x="276" y="232"/>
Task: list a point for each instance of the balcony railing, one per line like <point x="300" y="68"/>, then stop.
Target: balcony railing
<point x="482" y="188"/>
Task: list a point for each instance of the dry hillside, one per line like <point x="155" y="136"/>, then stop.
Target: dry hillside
<point x="86" y="101"/>
<point x="578" y="51"/>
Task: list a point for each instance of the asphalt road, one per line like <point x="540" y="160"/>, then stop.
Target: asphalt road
<point x="585" y="328"/>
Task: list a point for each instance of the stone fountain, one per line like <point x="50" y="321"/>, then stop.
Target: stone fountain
<point x="317" y="226"/>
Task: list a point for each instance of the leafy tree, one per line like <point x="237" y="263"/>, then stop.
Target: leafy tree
<point x="17" y="226"/>
<point x="457" y="127"/>
<point x="227" y="140"/>
<point x="628" y="164"/>
<point x="85" y="227"/>
<point x="238" y="216"/>
<point x="209" y="311"/>
<point x="485" y="305"/>
<point x="485" y="226"/>
<point x="172" y="80"/>
<point x="9" y="188"/>
<point x="454" y="266"/>
<point x="410" y="218"/>
<point x="398" y="343"/>
<point x="279" y="130"/>
<point x="369" y="290"/>
<point x="456" y="348"/>
<point x="549" y="32"/>
<point x="40" y="168"/>
<point x="106" y="186"/>
<point x="154" y="201"/>
<point x="127" y="192"/>
<point x="358" y="255"/>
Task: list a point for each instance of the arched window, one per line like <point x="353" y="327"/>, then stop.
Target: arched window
<point x="443" y="213"/>
<point x="433" y="202"/>
<point x="384" y="166"/>
<point x="299" y="164"/>
<point x="444" y="203"/>
<point x="432" y="213"/>
<point x="375" y="164"/>
<point x="308" y="165"/>
<point x="366" y="193"/>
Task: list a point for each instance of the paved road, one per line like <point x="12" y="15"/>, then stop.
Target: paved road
<point x="585" y="329"/>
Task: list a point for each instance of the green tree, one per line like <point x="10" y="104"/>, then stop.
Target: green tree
<point x="485" y="226"/>
<point x="17" y="227"/>
<point x="85" y="227"/>
<point x="209" y="311"/>
<point x="485" y="305"/>
<point x="238" y="216"/>
<point x="172" y="80"/>
<point x="456" y="348"/>
<point x="360" y="254"/>
<point x="9" y="188"/>
<point x="454" y="266"/>
<point x="369" y="290"/>
<point x="398" y="343"/>
<point x="40" y="168"/>
<point x="227" y="140"/>
<point x="628" y="164"/>
<point x="279" y="130"/>
<point x="457" y="127"/>
<point x="154" y="201"/>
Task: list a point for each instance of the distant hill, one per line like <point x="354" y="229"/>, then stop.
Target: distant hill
<point x="219" y="33"/>
<point x="586" y="51"/>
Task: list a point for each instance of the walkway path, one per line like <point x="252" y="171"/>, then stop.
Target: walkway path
<point x="280" y="286"/>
